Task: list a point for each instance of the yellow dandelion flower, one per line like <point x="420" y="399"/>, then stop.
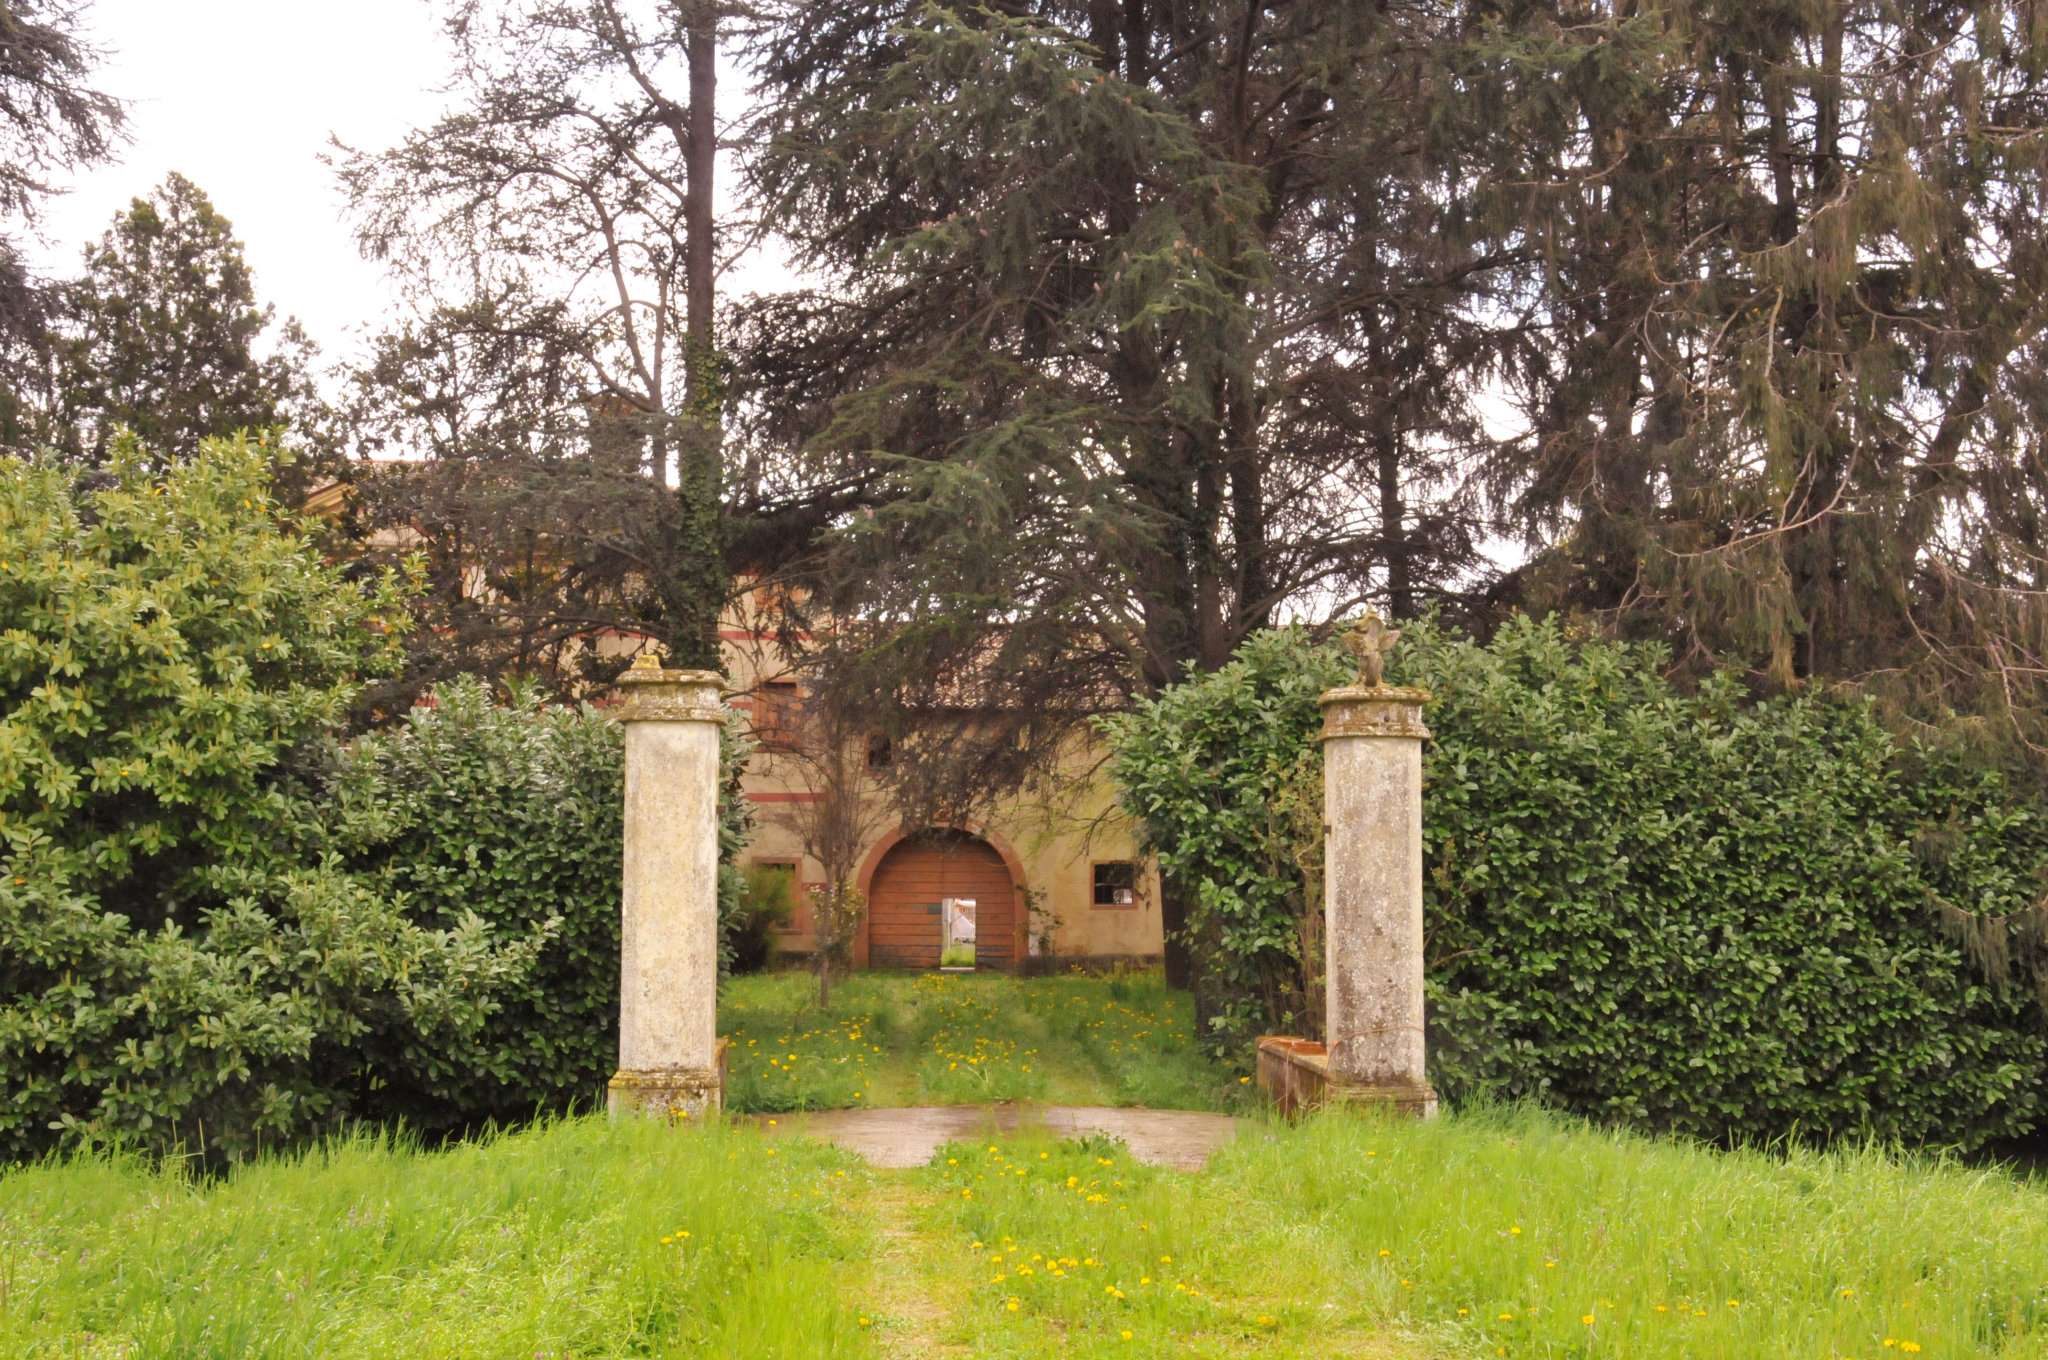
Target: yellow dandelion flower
<point x="1125" y="1334"/>
<point x="1014" y="1303"/>
<point x="1586" y="1318"/>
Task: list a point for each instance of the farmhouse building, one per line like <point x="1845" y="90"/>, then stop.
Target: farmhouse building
<point x="1038" y="883"/>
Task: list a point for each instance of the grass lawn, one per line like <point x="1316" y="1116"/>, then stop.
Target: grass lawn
<point x="964" y="1038"/>
<point x="1484" y="1233"/>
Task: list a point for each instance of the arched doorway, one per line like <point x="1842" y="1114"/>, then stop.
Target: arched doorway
<point x="926" y="878"/>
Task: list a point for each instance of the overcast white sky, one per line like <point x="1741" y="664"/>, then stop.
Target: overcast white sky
<point x="240" y="96"/>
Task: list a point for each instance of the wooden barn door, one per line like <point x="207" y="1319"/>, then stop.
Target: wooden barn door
<point x="920" y="873"/>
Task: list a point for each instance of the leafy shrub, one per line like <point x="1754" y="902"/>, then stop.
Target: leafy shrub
<point x="514" y="811"/>
<point x="220" y="928"/>
<point x="1224" y="778"/>
<point x="511" y="812"/>
<point x="766" y="905"/>
<point x="1683" y="910"/>
<point x="176" y="963"/>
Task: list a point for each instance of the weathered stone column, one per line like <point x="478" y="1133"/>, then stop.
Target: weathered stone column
<point x="668" y="939"/>
<point x="1372" y="887"/>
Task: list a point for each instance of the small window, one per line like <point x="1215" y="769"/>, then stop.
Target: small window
<point x="775" y="714"/>
<point x="1116" y="884"/>
<point x="881" y="751"/>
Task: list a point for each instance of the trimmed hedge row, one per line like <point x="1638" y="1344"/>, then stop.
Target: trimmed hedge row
<point x="1684" y="910"/>
<point x="512" y="813"/>
<point x="220" y="929"/>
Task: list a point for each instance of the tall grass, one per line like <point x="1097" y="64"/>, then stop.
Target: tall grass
<point x="1487" y="1233"/>
<point x="1496" y="1233"/>
<point x="966" y="1038"/>
<point x="546" y="1242"/>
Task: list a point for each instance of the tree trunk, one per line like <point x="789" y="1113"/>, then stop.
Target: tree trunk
<point x="698" y="580"/>
<point x="1399" y="552"/>
<point x="1173" y="919"/>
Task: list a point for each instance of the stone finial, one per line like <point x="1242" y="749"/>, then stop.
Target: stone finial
<point x="647" y="661"/>
<point x="1370" y="640"/>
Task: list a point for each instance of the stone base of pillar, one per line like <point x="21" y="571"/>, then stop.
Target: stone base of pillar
<point x="673" y="1092"/>
<point x="1295" y="1075"/>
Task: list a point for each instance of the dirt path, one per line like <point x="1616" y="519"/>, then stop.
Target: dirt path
<point x="912" y="1304"/>
<point x="904" y="1138"/>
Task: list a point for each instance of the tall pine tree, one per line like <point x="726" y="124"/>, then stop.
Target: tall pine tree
<point x="1792" y="280"/>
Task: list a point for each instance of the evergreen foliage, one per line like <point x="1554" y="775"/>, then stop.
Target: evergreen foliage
<point x="52" y="119"/>
<point x="219" y="928"/>
<point x="162" y="335"/>
<point x="180" y="959"/>
<point x="1137" y="321"/>
<point x="1788" y="261"/>
<point x="1683" y="910"/>
<point x="512" y="814"/>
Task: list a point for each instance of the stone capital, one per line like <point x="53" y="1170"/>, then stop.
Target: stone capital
<point x="1374" y="711"/>
<point x="652" y="694"/>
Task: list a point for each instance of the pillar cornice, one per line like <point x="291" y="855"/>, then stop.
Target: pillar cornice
<point x="652" y="694"/>
<point x="1374" y="711"/>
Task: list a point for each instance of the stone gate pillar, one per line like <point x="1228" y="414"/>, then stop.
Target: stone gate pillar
<point x="669" y="1058"/>
<point x="1372" y="895"/>
<point x="1372" y="1052"/>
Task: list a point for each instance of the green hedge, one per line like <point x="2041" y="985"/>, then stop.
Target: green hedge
<point x="1679" y="909"/>
<point x="511" y="812"/>
<point x="220" y="928"/>
<point x="179" y="963"/>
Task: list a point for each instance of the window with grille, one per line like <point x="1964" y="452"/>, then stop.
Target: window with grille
<point x="1116" y="884"/>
